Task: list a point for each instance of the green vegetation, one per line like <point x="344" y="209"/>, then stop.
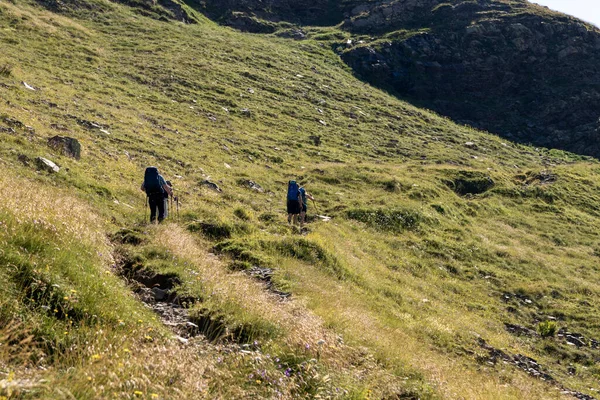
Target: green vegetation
<point x="432" y="246"/>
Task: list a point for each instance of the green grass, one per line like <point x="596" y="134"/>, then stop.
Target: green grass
<point x="397" y="287"/>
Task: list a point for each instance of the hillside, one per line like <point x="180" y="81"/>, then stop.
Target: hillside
<point x="506" y="66"/>
<point x="453" y="263"/>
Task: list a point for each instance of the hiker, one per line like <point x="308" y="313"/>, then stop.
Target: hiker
<point x="303" y="195"/>
<point x="155" y="187"/>
<point x="166" y="197"/>
<point x="294" y="202"/>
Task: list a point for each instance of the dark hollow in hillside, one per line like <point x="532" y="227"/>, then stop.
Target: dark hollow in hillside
<point x="468" y="183"/>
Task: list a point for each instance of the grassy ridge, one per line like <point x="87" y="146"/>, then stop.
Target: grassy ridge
<point x="433" y="244"/>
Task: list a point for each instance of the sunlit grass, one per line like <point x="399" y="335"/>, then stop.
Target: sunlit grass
<point x="389" y="298"/>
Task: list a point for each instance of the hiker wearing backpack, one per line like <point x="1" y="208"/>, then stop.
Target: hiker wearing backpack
<point x="303" y="196"/>
<point x="294" y="202"/>
<point x="155" y="187"/>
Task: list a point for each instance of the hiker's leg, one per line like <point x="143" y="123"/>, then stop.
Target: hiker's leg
<point x="290" y="211"/>
<point x="152" y="205"/>
<point x="161" y="209"/>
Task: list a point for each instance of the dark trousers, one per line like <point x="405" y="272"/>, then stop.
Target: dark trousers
<point x="156" y="202"/>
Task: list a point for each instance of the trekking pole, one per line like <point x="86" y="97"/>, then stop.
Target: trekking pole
<point x="146" y="212"/>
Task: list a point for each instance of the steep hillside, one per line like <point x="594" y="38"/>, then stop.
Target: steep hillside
<point x="509" y="67"/>
<point x="439" y="261"/>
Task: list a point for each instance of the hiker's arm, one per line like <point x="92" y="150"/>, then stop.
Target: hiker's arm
<point x="310" y="196"/>
<point x="168" y="189"/>
<point x="142" y="188"/>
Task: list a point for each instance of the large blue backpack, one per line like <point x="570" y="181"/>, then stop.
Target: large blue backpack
<point x="293" y="191"/>
<point x="152" y="181"/>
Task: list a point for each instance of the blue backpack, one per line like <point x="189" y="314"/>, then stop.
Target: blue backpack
<point x="293" y="191"/>
<point x="152" y="182"/>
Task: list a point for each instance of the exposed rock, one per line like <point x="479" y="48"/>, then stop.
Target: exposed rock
<point x="501" y="67"/>
<point x="46" y="165"/>
<point x="24" y="159"/>
<point x="58" y="127"/>
<point x="67" y="145"/>
<point x="577" y="339"/>
<point x="159" y="294"/>
<point x="248" y="23"/>
<point x="265" y="275"/>
<point x="520" y="330"/>
<point x="211" y="185"/>
<point x="28" y="87"/>
<point x="252" y="185"/>
<point x="14" y="123"/>
<point x="296" y="34"/>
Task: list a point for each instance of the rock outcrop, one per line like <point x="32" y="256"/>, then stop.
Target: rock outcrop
<point x="517" y="70"/>
<point x="66" y="145"/>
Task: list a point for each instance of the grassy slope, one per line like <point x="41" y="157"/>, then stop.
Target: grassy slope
<point x="407" y="272"/>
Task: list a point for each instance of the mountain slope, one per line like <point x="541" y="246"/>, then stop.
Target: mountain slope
<point x="510" y="67"/>
<point x="450" y="258"/>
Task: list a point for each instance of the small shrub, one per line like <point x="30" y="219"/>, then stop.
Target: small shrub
<point x="242" y="214"/>
<point x="5" y="70"/>
<point x="241" y="251"/>
<point x="547" y="329"/>
<point x="211" y="230"/>
<point x="390" y="186"/>
<point x="268" y="217"/>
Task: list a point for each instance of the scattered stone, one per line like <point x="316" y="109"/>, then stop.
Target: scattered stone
<point x="8" y="130"/>
<point x="577" y="339"/>
<point x="250" y="90"/>
<point x="90" y="124"/>
<point x="28" y="87"/>
<point x="12" y="122"/>
<point x="211" y="185"/>
<point x="266" y="275"/>
<point x="58" y="127"/>
<point x="67" y="145"/>
<point x="227" y="165"/>
<point x="296" y="34"/>
<point x="522" y="362"/>
<point x="46" y="165"/>
<point x="252" y="185"/>
<point x="322" y="122"/>
<point x="471" y="145"/>
<point x="24" y="159"/>
<point x="246" y="112"/>
<point x="182" y="340"/>
<point x="520" y="330"/>
<point x="159" y="294"/>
